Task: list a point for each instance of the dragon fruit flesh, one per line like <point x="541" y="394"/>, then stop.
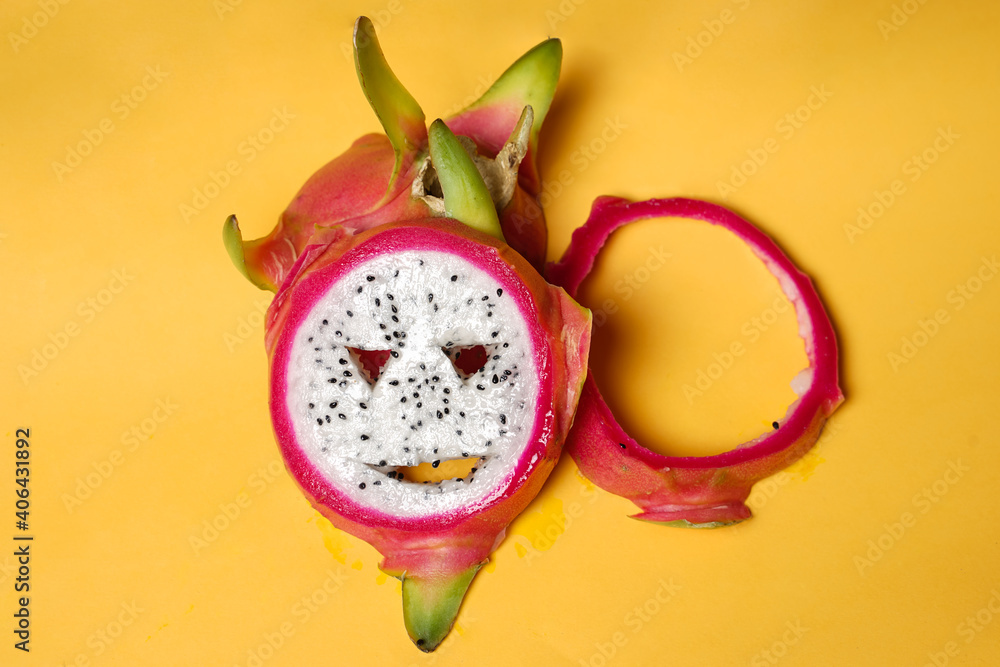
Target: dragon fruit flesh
<point x="406" y="334"/>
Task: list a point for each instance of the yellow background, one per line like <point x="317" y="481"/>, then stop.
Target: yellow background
<point x="868" y="552"/>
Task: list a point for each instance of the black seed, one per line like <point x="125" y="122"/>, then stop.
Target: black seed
<point x="435" y="379"/>
<point x="327" y="419"/>
<point x="350" y="314"/>
<point x="465" y="454"/>
<point x="489" y="314"/>
<point x="364" y="406"/>
<point x="332" y="380"/>
<point x="342" y="415"/>
<point x="480" y="387"/>
<point x="388" y="338"/>
<point x="494" y="334"/>
<point x="310" y="339"/>
<point x="406" y="449"/>
<point x="370" y="278"/>
<point x="447" y="411"/>
<point x="461" y="414"/>
<point x="396" y="274"/>
<point x="435" y="450"/>
<point x="416" y="395"/>
<point x="334" y="404"/>
<point x="503" y="419"/>
<point x="403" y="400"/>
<point x="319" y="421"/>
<point x="360" y="289"/>
<point x="496" y="379"/>
<point x="435" y="464"/>
<point x="469" y="302"/>
<point x="382" y="462"/>
<point x="343" y="362"/>
<point x="390" y="297"/>
<point x="775" y="425"/>
<point x="495" y="357"/>
<point x="311" y="406"/>
<point x="361" y="485"/>
<point x="348" y="374"/>
<point x="446" y="390"/>
<point x="505" y="344"/>
<point x="337" y="333"/>
<point x="378" y="302"/>
<point x="342" y="383"/>
<point x="394" y="383"/>
<point x="458" y="431"/>
<point x="395" y="355"/>
<point x="439" y="414"/>
<point x="364" y="437"/>
<point x="419" y="423"/>
<point x="381" y="326"/>
<point x="486" y="298"/>
<point x="430" y="298"/>
<point x="395" y="319"/>
<point x="489" y="443"/>
<point x="377" y="482"/>
<point x="622" y="445"/>
<point x="499" y="292"/>
<point x="419" y="404"/>
<point x="454" y="278"/>
<point x="325" y="322"/>
<point x="435" y="307"/>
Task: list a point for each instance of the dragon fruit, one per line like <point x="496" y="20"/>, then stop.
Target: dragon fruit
<point x="423" y="374"/>
<point x="692" y="491"/>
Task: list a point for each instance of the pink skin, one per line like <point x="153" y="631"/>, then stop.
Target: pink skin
<point x="698" y="490"/>
<point x="351" y="192"/>
<point x="449" y="543"/>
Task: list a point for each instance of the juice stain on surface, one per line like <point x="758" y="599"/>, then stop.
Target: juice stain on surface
<point x="335" y="541"/>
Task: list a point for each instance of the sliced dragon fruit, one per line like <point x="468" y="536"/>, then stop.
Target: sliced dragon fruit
<point x="406" y="335"/>
<point x="413" y="343"/>
<point x="707" y="491"/>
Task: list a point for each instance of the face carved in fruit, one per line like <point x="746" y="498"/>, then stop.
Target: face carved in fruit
<point x="426" y="309"/>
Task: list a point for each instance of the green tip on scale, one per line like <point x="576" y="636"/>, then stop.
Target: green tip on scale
<point x="431" y="604"/>
<point x="400" y="115"/>
<point x="466" y="197"/>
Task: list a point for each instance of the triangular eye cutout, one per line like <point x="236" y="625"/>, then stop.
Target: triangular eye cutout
<point x="467" y="359"/>
<point x="370" y="362"/>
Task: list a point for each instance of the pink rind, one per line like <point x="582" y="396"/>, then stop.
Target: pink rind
<point x="698" y="490"/>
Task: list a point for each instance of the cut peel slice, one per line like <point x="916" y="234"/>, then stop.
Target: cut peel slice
<point x="699" y="491"/>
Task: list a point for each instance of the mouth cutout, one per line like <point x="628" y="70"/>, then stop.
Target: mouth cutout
<point x="461" y="469"/>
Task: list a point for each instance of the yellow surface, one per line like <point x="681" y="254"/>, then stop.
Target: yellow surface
<point x="880" y="548"/>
